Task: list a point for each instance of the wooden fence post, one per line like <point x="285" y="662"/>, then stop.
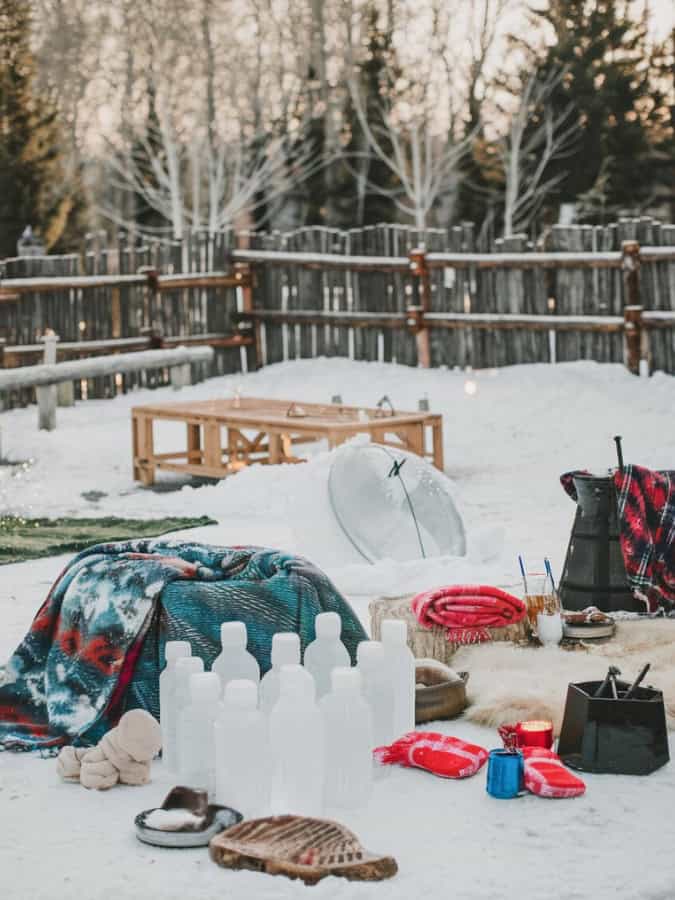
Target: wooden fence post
<point x="419" y="268"/>
<point x="46" y="396"/>
<point x="632" y="317"/>
<point x="2" y="366"/>
<point x="245" y="273"/>
<point x="153" y="300"/>
<point x="630" y="266"/>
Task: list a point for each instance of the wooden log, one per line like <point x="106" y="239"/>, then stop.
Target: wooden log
<point x="41" y="376"/>
<point x="317" y="317"/>
<point x="323" y="260"/>
<point x="418" y="266"/>
<point x="535" y="260"/>
<point x="46" y="401"/>
<point x="47" y="397"/>
<point x="630" y="265"/>
<point x="180" y="376"/>
<point x="68" y="282"/>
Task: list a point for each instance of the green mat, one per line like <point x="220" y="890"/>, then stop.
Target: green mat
<point x="22" y="539"/>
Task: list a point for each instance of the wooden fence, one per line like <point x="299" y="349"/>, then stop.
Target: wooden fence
<point x="362" y="294"/>
<point x="387" y="293"/>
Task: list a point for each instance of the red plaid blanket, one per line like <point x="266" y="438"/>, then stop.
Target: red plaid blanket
<point x="646" y="506"/>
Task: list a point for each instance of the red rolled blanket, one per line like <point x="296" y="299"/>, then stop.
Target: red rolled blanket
<point x="467" y="611"/>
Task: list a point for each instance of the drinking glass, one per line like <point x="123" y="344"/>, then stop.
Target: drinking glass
<point x="540" y="597"/>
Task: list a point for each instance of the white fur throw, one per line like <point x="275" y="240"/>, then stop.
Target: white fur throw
<point x="511" y="683"/>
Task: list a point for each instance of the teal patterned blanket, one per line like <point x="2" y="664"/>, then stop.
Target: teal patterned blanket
<point x="96" y="646"/>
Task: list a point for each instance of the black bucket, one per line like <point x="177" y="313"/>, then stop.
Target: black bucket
<point x="594" y="573"/>
<point x="623" y="737"/>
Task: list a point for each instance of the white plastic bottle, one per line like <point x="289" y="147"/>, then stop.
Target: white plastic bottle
<point x="326" y="651"/>
<point x="377" y="690"/>
<point x="186" y="667"/>
<point x="234" y="661"/>
<point x="348" y="731"/>
<point x="243" y="753"/>
<point x="173" y="651"/>
<point x="401" y="669"/>
<point x="297" y="737"/>
<point x="196" y="735"/>
<point x="285" y="652"/>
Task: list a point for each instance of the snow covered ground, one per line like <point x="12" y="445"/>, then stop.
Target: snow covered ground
<point x="508" y="435"/>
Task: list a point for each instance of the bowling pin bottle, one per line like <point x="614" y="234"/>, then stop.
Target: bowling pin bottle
<point x="297" y="738"/>
<point x="326" y="651"/>
<point x="173" y="651"/>
<point x="243" y="753"/>
<point x="234" y="661"/>
<point x="348" y="730"/>
<point x="400" y="664"/>
<point x="185" y="667"/>
<point x="285" y="651"/>
<point x="196" y="735"/>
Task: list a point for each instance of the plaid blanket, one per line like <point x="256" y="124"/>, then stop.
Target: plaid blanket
<point x="96" y="646"/>
<point x="646" y="508"/>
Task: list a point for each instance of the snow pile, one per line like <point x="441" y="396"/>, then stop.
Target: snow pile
<point x="508" y="434"/>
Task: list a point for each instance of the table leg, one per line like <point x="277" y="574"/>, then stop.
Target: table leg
<point x="146" y="451"/>
<point x="194" y="445"/>
<point x="135" y="448"/>
<point x="213" y="453"/>
<point x="231" y="448"/>
<point x="275" y="449"/>
<point x="437" y="431"/>
<point x="415" y="439"/>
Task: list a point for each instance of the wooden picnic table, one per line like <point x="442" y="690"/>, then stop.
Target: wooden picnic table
<point x="264" y="431"/>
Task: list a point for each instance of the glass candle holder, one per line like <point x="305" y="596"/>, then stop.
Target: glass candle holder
<point x="535" y="733"/>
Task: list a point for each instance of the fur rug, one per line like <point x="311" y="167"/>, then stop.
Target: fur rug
<point x="509" y="683"/>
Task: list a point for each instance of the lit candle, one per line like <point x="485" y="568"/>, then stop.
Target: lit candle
<point x="536" y="733"/>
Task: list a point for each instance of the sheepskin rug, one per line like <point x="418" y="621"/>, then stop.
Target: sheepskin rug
<point x="510" y="683"/>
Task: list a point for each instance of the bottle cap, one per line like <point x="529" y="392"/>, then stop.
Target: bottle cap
<point x="295" y="681"/>
<point x="190" y="664"/>
<point x="204" y="687"/>
<point x="285" y="649"/>
<point x="328" y="625"/>
<point x="394" y="631"/>
<point x="176" y="650"/>
<point x="345" y="680"/>
<point x="233" y="634"/>
<point x="241" y="693"/>
<point x="369" y="654"/>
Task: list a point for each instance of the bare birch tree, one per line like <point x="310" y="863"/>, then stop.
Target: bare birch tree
<point x="424" y="160"/>
<point x="536" y="137"/>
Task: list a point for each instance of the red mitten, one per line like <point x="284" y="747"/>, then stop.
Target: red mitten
<point x="449" y="757"/>
<point x="546" y="776"/>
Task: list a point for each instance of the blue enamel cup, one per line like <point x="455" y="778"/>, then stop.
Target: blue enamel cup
<point x="505" y="774"/>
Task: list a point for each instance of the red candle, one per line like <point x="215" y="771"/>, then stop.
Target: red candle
<point x="536" y="733"/>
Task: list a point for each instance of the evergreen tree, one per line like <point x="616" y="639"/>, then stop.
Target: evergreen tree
<point x="30" y="190"/>
<point x="363" y="174"/>
<point x="144" y="149"/>
<point x="604" y="54"/>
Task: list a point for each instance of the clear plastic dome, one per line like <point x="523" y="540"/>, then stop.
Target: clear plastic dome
<point x="394" y="505"/>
